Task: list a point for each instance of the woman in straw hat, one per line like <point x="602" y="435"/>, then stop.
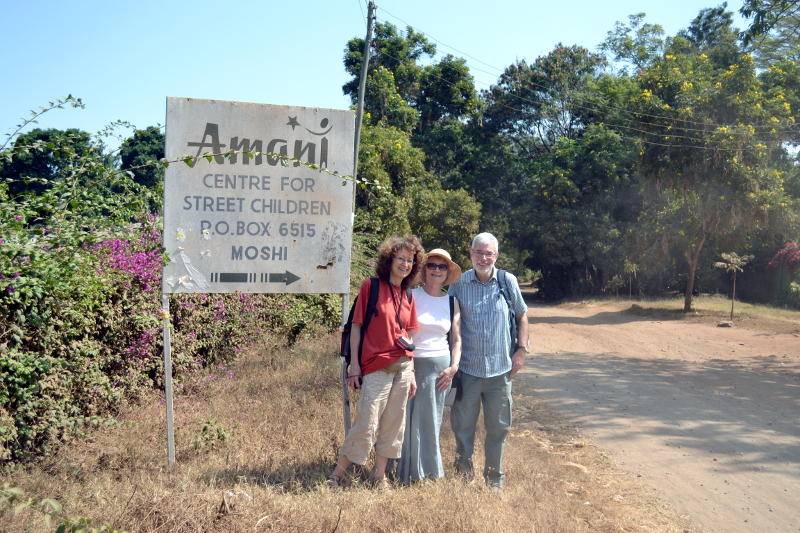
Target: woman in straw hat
<point x="438" y="342"/>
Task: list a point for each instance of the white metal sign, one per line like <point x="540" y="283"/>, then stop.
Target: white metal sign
<point x="257" y="222"/>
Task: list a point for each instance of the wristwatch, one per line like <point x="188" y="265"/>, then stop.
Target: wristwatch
<point x="518" y="346"/>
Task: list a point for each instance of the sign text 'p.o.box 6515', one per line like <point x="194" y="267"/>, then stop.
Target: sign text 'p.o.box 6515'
<point x="251" y="221"/>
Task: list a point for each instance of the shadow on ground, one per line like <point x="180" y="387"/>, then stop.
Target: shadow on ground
<point x="750" y="410"/>
<point x="633" y="313"/>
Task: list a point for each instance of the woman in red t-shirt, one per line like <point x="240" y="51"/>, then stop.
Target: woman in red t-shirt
<point x="385" y="371"/>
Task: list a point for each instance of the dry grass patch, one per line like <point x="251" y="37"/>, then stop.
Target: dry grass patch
<point x="254" y="451"/>
<point x="710" y="309"/>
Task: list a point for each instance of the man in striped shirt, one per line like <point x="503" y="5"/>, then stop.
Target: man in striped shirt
<point x="489" y="358"/>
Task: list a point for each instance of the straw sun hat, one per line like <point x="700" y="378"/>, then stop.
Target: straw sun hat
<point x="453" y="270"/>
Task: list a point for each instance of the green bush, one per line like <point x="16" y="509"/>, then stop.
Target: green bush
<point x="80" y="304"/>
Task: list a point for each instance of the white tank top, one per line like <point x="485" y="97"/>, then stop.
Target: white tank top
<point x="433" y="316"/>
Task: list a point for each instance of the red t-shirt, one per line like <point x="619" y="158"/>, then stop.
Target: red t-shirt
<point x="380" y="350"/>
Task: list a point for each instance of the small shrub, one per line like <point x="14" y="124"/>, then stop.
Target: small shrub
<point x="211" y="435"/>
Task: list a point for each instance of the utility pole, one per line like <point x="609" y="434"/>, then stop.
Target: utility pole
<point x="362" y="83"/>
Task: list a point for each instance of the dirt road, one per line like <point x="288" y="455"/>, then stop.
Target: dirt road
<point x="709" y="417"/>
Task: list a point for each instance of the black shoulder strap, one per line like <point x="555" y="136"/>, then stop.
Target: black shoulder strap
<point x="452" y="307"/>
<point x="372" y="310"/>
<point x="512" y="319"/>
<point x="372" y="303"/>
<point x="452" y="314"/>
<point x="503" y="282"/>
<point x="501" y="278"/>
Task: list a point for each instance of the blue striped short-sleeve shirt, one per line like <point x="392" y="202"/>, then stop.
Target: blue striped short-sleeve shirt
<point x="485" y="337"/>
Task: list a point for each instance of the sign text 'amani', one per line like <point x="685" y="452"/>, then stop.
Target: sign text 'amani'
<point x="303" y="150"/>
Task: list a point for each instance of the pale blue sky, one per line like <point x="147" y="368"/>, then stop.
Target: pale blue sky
<point x="124" y="58"/>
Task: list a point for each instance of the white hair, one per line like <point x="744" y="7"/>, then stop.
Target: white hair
<point x="486" y="238"/>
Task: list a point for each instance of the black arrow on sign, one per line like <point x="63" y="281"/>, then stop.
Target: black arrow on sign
<point x="287" y="278"/>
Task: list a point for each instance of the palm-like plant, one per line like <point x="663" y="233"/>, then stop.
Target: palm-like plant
<point x="631" y="269"/>
<point x="733" y="263"/>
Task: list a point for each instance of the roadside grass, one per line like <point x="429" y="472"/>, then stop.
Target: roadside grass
<point x="254" y="450"/>
<point x="708" y="308"/>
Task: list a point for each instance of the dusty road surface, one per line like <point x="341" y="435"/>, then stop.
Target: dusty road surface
<point x="709" y="417"/>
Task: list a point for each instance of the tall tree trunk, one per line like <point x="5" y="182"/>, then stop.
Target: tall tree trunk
<point x="687" y="297"/>
<point x="733" y="294"/>
<point x="692" y="258"/>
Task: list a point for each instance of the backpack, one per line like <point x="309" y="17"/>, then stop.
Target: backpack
<point x="512" y="320"/>
<point x="372" y="310"/>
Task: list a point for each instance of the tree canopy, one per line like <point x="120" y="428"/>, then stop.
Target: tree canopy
<point x="654" y="153"/>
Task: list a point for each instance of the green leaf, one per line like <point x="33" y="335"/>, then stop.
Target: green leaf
<point x="54" y="506"/>
<point x="16" y="492"/>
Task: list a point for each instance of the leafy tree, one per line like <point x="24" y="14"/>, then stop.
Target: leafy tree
<point x="665" y="161"/>
<point x="707" y="143"/>
<point x="580" y="204"/>
<point x="767" y="14"/>
<point x="387" y="160"/>
<point x="553" y="180"/>
<point x="394" y="52"/>
<point x="385" y="105"/>
<point x="535" y="105"/>
<point x="450" y="147"/>
<point x="444" y="219"/>
<point x="446" y="90"/>
<point x="781" y="82"/>
<point x="407" y="198"/>
<point x="733" y="263"/>
<point x="142" y="153"/>
<point x="635" y="45"/>
<point x="40" y="157"/>
<point x="710" y="28"/>
<point x="400" y="91"/>
<point x="489" y="168"/>
<point x="780" y="46"/>
<point x="710" y="32"/>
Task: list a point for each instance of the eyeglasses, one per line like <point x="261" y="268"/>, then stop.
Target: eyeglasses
<point x="404" y="260"/>
<point x="436" y="266"/>
<point x="481" y="253"/>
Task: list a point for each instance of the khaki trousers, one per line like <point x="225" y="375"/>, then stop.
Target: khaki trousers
<point x="380" y="416"/>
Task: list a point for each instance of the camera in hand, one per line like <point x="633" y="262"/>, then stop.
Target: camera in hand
<point x="405" y="343"/>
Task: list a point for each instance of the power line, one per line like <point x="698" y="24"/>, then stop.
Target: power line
<point x="703" y="143"/>
<point x="361" y="8"/>
<point x="428" y="35"/>
<point x="664" y="135"/>
<point x="768" y="128"/>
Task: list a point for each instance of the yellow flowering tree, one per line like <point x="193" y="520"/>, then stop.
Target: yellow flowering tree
<point x="710" y="128"/>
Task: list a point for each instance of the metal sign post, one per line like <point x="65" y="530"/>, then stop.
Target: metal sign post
<point x="345" y="391"/>
<point x="168" y="381"/>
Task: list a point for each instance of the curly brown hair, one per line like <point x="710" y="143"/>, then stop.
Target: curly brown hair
<point x="389" y="248"/>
